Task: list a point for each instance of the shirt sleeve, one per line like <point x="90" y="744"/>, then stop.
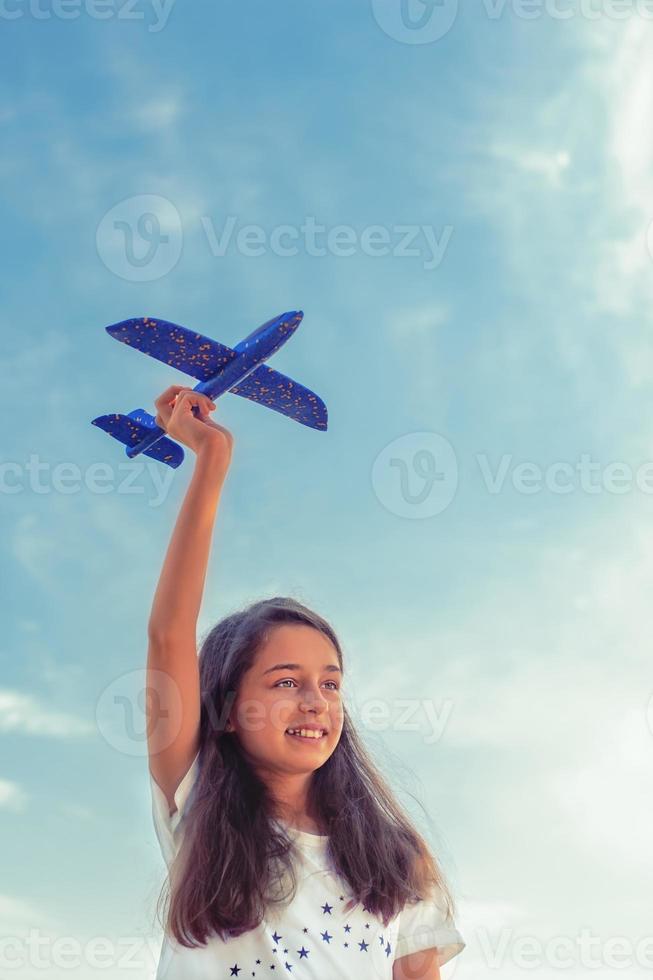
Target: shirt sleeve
<point x="425" y="924"/>
<point x="167" y="826"/>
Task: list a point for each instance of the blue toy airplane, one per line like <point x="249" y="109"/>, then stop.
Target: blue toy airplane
<point x="239" y="370"/>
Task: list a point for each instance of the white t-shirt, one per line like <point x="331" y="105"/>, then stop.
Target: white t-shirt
<point x="312" y="937"/>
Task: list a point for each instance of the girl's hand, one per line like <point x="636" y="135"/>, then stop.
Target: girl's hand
<point x="174" y="414"/>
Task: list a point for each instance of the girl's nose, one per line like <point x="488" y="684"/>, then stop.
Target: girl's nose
<point x="313" y="698"/>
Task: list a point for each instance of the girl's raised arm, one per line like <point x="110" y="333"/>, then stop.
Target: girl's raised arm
<point x="173" y="701"/>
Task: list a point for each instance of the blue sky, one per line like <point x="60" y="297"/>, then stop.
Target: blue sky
<point x="515" y="613"/>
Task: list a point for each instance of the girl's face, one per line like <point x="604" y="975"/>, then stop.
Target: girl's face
<point x="295" y="682"/>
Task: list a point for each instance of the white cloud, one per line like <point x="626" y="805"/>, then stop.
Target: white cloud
<point x="24" y="714"/>
<point x="488" y="914"/>
<point x="412" y="325"/>
<point x="22" y="361"/>
<point x="18" y="914"/>
<point x="608" y="799"/>
<point x="627" y="84"/>
<point x="28" y="626"/>
<point x="159" y="113"/>
<point x="548" y="164"/>
<point x="12" y="797"/>
<point x="624" y="248"/>
<point x="416" y="346"/>
<point x="550" y="739"/>
<point x="33" y="547"/>
<point x="77" y="810"/>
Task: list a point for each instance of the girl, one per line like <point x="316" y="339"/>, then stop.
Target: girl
<point x="287" y="852"/>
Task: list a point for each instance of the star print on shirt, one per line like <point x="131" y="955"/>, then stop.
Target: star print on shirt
<point x="326" y="936"/>
<point x="388" y="947"/>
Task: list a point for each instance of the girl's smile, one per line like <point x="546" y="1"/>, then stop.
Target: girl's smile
<point x="292" y="690"/>
<point x="308" y="737"/>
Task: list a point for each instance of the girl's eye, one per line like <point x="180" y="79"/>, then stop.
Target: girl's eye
<point x="291" y="681"/>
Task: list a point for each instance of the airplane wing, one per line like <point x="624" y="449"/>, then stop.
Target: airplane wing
<point x="130" y="429"/>
<point x="280" y="393"/>
<point x="183" y="349"/>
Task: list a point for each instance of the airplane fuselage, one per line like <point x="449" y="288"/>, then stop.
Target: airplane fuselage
<point x="256" y="348"/>
<point x="252" y="351"/>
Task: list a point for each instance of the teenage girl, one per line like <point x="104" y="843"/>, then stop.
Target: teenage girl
<point x="287" y="852"/>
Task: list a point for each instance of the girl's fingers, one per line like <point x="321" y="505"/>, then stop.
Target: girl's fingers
<point x="167" y="396"/>
<point x="196" y="398"/>
<point x="180" y="400"/>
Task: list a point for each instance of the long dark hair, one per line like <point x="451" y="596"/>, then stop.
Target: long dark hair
<point x="234" y="854"/>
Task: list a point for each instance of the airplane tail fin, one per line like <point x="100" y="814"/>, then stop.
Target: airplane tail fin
<point x="133" y="428"/>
